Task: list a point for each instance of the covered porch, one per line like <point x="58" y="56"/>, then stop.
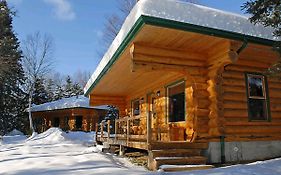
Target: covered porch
<point x="150" y="72"/>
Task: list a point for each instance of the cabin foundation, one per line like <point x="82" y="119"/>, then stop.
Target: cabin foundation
<point x="236" y="152"/>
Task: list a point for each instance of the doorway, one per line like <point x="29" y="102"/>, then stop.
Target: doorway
<point x="176" y="109"/>
<point x="56" y="122"/>
<point x="78" y="122"/>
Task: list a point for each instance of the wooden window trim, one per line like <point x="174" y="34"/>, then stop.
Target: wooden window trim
<point x="132" y="107"/>
<point x="167" y="99"/>
<point x="265" y="95"/>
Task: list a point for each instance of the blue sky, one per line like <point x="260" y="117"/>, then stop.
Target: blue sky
<point x="76" y="26"/>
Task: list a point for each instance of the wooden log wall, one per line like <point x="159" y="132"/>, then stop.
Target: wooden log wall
<point x="255" y="59"/>
<point x="222" y="55"/>
<point x="189" y="67"/>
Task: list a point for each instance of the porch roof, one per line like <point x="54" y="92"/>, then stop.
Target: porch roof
<point x="180" y="16"/>
<point x="66" y="103"/>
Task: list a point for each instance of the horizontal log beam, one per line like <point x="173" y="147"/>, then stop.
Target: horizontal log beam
<point x="165" y="52"/>
<point x="96" y="100"/>
<point x="150" y="59"/>
<point x="150" y="66"/>
<point x="166" y="60"/>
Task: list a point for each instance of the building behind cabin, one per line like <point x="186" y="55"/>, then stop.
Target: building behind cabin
<point x="73" y="114"/>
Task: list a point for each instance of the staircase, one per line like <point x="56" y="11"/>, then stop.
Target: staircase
<point x="180" y="154"/>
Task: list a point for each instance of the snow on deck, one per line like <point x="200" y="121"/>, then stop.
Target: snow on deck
<point x="187" y="13"/>
<point x="67" y="103"/>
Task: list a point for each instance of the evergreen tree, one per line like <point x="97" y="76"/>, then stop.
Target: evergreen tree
<point x="68" y="88"/>
<point x="40" y="95"/>
<point x="112" y="113"/>
<point x="77" y="89"/>
<point x="71" y="89"/>
<point x="267" y="13"/>
<point x="12" y="98"/>
<point x="58" y="93"/>
<point x="50" y="89"/>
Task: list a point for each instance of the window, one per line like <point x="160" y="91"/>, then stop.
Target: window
<point x="176" y="102"/>
<point x="257" y="97"/>
<point x="136" y="107"/>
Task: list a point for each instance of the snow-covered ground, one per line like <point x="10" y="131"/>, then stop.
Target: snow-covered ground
<point x="57" y="152"/>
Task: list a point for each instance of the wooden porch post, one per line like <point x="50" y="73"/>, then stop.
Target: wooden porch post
<point x="148" y="120"/>
<point x="115" y="132"/>
<point x="97" y="130"/>
<point x="128" y="130"/>
<point x="101" y="129"/>
<point x="108" y="129"/>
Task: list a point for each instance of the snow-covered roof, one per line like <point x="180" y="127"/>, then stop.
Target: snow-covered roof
<point x="67" y="103"/>
<point x="186" y="13"/>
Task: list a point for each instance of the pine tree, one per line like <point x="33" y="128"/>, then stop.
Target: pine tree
<point x="68" y="88"/>
<point x="77" y="89"/>
<point x="40" y="95"/>
<point x="112" y="113"/>
<point x="58" y="93"/>
<point x="12" y="98"/>
<point x="50" y="89"/>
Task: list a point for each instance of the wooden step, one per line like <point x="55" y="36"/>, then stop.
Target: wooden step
<point x="178" y="145"/>
<point x="193" y="160"/>
<point x="174" y="168"/>
<point x="176" y="153"/>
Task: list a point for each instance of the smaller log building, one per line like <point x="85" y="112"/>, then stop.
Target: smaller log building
<point x="73" y="114"/>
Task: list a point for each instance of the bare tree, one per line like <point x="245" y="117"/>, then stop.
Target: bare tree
<point x="37" y="62"/>
<point x="81" y="77"/>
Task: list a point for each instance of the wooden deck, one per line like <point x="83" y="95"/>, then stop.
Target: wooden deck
<point x="159" y="152"/>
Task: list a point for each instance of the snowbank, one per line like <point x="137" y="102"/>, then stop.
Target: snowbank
<point x="12" y="137"/>
<point x="57" y="152"/>
<point x="51" y="136"/>
<point x="15" y="133"/>
<point x="56" y="135"/>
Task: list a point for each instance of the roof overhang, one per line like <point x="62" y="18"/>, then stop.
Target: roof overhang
<point x="125" y="38"/>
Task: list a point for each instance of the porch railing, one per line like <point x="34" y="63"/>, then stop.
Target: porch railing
<point x="125" y="128"/>
<point x="138" y="129"/>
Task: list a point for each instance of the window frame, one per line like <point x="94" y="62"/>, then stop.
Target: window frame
<point x="265" y="96"/>
<point x="132" y="107"/>
<point x="167" y="100"/>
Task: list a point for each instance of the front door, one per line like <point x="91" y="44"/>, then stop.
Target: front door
<point x="176" y="111"/>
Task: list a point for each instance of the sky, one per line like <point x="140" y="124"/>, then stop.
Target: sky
<point x="76" y="27"/>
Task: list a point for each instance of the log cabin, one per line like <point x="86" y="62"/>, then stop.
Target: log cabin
<point x="191" y="86"/>
<point x="72" y="114"/>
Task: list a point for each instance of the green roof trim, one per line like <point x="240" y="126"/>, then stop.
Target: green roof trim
<point x="160" y="22"/>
